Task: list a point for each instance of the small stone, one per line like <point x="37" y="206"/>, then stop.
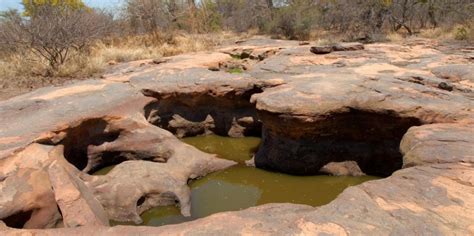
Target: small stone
<point x="445" y="86"/>
<point x="321" y="49"/>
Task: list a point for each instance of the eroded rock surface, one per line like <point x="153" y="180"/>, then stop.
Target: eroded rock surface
<point x="346" y="168"/>
<point x="78" y="206"/>
<point x="349" y="105"/>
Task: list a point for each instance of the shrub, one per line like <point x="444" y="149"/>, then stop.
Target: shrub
<point x="54" y="33"/>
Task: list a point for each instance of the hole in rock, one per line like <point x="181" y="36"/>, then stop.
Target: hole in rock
<point x="18" y="220"/>
<point x="241" y="186"/>
<point x="141" y="201"/>
<point x="187" y="116"/>
<point x="370" y="139"/>
<point x="89" y="132"/>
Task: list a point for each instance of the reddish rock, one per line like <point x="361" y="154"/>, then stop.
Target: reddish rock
<point x="346" y="106"/>
<point x="77" y="203"/>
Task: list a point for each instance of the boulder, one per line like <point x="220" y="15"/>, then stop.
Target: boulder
<point x="321" y="49"/>
<point x="354" y="46"/>
<point x="337" y="47"/>
<point x="77" y="203"/>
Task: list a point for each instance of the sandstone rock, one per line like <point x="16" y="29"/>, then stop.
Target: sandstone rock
<point x="26" y="197"/>
<point x="193" y="102"/>
<point x="368" y="116"/>
<point x="438" y="143"/>
<point x="440" y="204"/>
<point x="53" y="108"/>
<point x="338" y="47"/>
<point x="455" y="72"/>
<point x="348" y="46"/>
<point x="313" y="112"/>
<point x="347" y="168"/>
<point x="136" y="186"/>
<point x="3" y="225"/>
<point x="321" y="49"/>
<point x="78" y="205"/>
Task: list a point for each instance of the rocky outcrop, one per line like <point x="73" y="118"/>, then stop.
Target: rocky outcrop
<point x="84" y="127"/>
<point x="440" y="204"/>
<point x="78" y="206"/>
<point x="136" y="186"/>
<point x="197" y="101"/>
<point x="313" y="109"/>
<point x="332" y="118"/>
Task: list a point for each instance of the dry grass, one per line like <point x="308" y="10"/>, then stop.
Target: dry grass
<point x="113" y="51"/>
<point x="20" y="73"/>
<point x="457" y="32"/>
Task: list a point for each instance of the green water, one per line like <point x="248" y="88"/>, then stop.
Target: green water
<point x="241" y="187"/>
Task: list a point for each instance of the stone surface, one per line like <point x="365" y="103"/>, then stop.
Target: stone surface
<point x="354" y="46"/>
<point x="321" y="49"/>
<point x="133" y="187"/>
<point x="26" y="197"/>
<point x="438" y="143"/>
<point x="440" y="204"/>
<point x="78" y="206"/>
<point x="347" y="168"/>
<point x="314" y="109"/>
<point x="196" y="101"/>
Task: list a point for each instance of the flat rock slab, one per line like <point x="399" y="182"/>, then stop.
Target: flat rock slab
<point x="78" y="205"/>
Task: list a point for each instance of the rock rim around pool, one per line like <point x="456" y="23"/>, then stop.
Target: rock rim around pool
<point x="381" y="107"/>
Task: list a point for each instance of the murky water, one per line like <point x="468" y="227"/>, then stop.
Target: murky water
<point x="241" y="187"/>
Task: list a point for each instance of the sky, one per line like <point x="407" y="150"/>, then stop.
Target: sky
<point x="16" y="4"/>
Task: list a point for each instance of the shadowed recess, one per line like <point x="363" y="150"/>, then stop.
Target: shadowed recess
<point x="301" y="148"/>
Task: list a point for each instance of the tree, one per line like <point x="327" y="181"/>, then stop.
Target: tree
<point x="53" y="32"/>
<point x="32" y="6"/>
